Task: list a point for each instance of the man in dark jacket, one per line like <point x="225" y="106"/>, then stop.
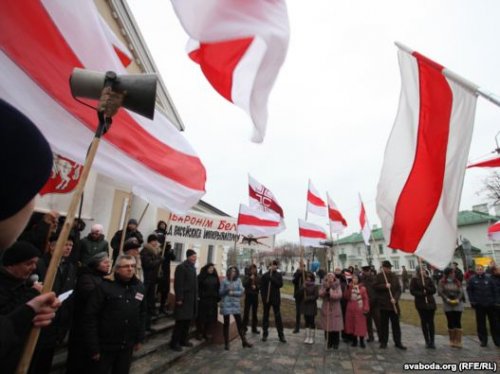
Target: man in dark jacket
<point x="164" y="280"/>
<point x="481" y="291"/>
<point x="388" y="293"/>
<point x="271" y="283"/>
<point x="298" y="280"/>
<point x="150" y="261"/>
<point x="115" y="319"/>
<point x="186" y="301"/>
<point x="251" y="283"/>
<point x="368" y="279"/>
<point x="131" y="232"/>
<point x="93" y="244"/>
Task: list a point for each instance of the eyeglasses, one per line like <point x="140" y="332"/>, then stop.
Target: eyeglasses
<point x="127" y="266"/>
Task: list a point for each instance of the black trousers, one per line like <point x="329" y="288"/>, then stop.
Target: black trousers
<point x="385" y="316"/>
<point x="333" y="338"/>
<point x="373" y="316"/>
<point x="42" y="360"/>
<point x="483" y="312"/>
<point x="164" y="289"/>
<point x="277" y="319"/>
<point x="180" y="333"/>
<point x="297" y="314"/>
<point x="454" y="320"/>
<point x="427" y="324"/>
<point x="115" y="362"/>
<point x="310" y="322"/>
<point x="251" y="301"/>
<point x="225" y="328"/>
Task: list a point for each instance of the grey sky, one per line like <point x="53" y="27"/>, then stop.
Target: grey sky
<point x="335" y="100"/>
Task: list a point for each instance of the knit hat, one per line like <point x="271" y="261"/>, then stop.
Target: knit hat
<point x="132" y="221"/>
<point x="94" y="261"/>
<point x="131" y="243"/>
<point x="26" y="160"/>
<point x="386" y="264"/>
<point x="152" y="237"/>
<point x="19" y="252"/>
<point x="190" y="253"/>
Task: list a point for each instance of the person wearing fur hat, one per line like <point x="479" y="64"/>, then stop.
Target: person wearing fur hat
<point x="130" y="232"/>
<point x="308" y="294"/>
<point x="423" y="288"/>
<point x="358" y="306"/>
<point x="331" y="311"/>
<point x="450" y="290"/>
<point x="89" y="278"/>
<point x="93" y="244"/>
<point x="230" y="292"/>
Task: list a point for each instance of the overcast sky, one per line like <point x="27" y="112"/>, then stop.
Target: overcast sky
<point x="333" y="105"/>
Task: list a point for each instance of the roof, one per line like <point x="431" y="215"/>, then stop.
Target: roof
<point x="357" y="238"/>
<point x="472" y="217"/>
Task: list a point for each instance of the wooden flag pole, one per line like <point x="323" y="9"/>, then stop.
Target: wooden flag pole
<point x="270" y="273"/>
<point x="142" y="215"/>
<point x="48" y="283"/>
<point x="125" y="223"/>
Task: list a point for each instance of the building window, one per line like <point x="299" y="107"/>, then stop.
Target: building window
<point x="411" y="264"/>
<point x="381" y="249"/>
<point x="178" y="249"/>
<point x="210" y="256"/>
<point x="396" y="264"/>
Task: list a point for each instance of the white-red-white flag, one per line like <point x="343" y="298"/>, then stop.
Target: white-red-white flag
<point x="363" y="222"/>
<point x="310" y="234"/>
<point x="40" y="44"/>
<point x="315" y="204"/>
<point x="337" y="222"/>
<point x="64" y="176"/>
<point x="262" y="197"/>
<point x="240" y="47"/>
<point x="425" y="159"/>
<point x="252" y="221"/>
<point x="494" y="231"/>
<point x="493" y="162"/>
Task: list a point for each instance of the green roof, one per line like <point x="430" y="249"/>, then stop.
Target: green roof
<point x="357" y="238"/>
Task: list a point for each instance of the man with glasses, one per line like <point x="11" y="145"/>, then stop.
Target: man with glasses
<point x="115" y="319"/>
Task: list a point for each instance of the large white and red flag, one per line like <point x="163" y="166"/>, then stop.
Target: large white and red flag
<point x="363" y="222"/>
<point x="253" y="221"/>
<point x="262" y="197"/>
<point x="493" y="162"/>
<point x="494" y="231"/>
<point x="64" y="176"/>
<point x="337" y="222"/>
<point x="310" y="234"/>
<point x="425" y="159"/>
<point x="315" y="204"/>
<point x="40" y="44"/>
<point x="240" y="47"/>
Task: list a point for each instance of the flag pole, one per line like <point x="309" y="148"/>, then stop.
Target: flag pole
<point x="143" y="213"/>
<point x="103" y="126"/>
<point x="422" y="277"/>
<point x="269" y="284"/>
<point x="125" y="222"/>
<point x="459" y="79"/>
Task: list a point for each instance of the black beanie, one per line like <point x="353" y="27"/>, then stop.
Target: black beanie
<point x="152" y="237"/>
<point x="26" y="160"/>
<point x="19" y="252"/>
<point x="190" y="253"/>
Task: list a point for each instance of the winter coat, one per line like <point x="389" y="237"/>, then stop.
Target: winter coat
<point x="369" y="282"/>
<point x="496" y="285"/>
<point x="331" y="311"/>
<point x="298" y="280"/>
<point x="150" y="261"/>
<point x="307" y="296"/>
<point x="272" y="282"/>
<point x="452" y="295"/>
<point x="231" y="292"/>
<point x="383" y="295"/>
<point x="208" y="290"/>
<point x="357" y="306"/>
<point x="481" y="290"/>
<point x="249" y="284"/>
<point x="89" y="247"/>
<point x="115" y="241"/>
<point x="115" y="316"/>
<point x="424" y="299"/>
<point x="164" y="281"/>
<point x="186" y="290"/>
<point x="14" y="292"/>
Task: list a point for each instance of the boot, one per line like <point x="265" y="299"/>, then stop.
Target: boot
<point x="451" y="333"/>
<point x="458" y="338"/>
<point x="244" y="342"/>
<point x="312" y="336"/>
<point x="306" y="340"/>
<point x="226" y="337"/>
<point x="297" y="329"/>
<point x="362" y="342"/>
<point x="354" y="341"/>
<point x="329" y="338"/>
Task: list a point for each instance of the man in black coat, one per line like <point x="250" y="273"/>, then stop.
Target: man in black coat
<point x="150" y="262"/>
<point x="298" y="280"/>
<point x="164" y="280"/>
<point x="368" y="279"/>
<point x="130" y="232"/>
<point x="271" y="283"/>
<point x="186" y="301"/>
<point x="251" y="283"/>
<point x="115" y="318"/>
<point x="481" y="291"/>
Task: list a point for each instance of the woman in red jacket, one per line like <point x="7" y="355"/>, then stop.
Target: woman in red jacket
<point x="357" y="306"/>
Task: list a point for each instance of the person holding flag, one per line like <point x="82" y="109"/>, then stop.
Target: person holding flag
<point x="271" y="283"/>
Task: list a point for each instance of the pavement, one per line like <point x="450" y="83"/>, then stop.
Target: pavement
<point x="297" y="357"/>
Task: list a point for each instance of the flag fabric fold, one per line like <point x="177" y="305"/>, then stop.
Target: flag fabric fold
<point x="240" y="47"/>
<point x="253" y="221"/>
<point x="337" y="222"/>
<point x="40" y="44"/>
<point x="364" y="224"/>
<point x="493" y="162"/>
<point x="315" y="204"/>
<point x="310" y="234"/>
<point x="494" y="231"/>
<point x="425" y="159"/>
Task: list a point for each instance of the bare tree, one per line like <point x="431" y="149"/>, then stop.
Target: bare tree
<point x="492" y="188"/>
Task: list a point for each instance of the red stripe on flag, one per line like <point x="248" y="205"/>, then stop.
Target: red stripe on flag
<point x="362" y="216"/>
<point x="307" y="233"/>
<point x="125" y="60"/>
<point x="315" y="200"/>
<point x="494" y="162"/>
<point x="335" y="215"/>
<point x="244" y="219"/>
<point x="421" y="194"/>
<point x="29" y="37"/>
<point x="271" y="204"/>
<point x="218" y="61"/>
